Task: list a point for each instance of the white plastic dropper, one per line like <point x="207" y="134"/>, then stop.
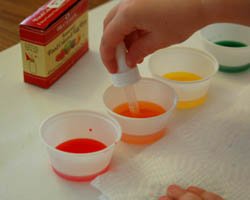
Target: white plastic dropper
<point x="125" y="78"/>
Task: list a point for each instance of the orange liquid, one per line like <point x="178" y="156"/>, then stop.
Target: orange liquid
<point x="147" y="109"/>
<point x="146" y="139"/>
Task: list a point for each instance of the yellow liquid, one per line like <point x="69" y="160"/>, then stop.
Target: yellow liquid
<point x="182" y="76"/>
<point x="186" y="77"/>
<point x="192" y="103"/>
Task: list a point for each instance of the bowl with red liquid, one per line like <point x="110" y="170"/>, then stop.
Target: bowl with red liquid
<point x="80" y="143"/>
<point x="156" y="101"/>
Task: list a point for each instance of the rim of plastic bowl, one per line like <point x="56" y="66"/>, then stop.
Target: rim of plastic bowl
<point x="205" y="39"/>
<point x="168" y="112"/>
<point x="203" y="52"/>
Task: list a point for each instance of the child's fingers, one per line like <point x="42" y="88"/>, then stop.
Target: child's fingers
<point x="110" y="16"/>
<point x="196" y="190"/>
<point x="210" y="196"/>
<point x="203" y="193"/>
<point x="178" y="193"/>
<point x="175" y="191"/>
<point x="165" y="198"/>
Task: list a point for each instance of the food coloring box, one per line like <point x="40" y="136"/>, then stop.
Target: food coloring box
<point x="53" y="39"/>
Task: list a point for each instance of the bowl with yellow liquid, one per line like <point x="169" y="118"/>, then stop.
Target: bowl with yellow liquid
<point x="189" y="71"/>
<point x="156" y="101"/>
<point x="230" y="44"/>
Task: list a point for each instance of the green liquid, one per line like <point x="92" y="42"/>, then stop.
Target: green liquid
<point x="235" y="69"/>
<point x="228" y="43"/>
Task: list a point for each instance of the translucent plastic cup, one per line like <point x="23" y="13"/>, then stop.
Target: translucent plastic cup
<point x="80" y="124"/>
<point x="184" y="59"/>
<point x="231" y="59"/>
<point x="142" y="130"/>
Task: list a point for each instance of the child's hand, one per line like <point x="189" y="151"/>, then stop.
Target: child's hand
<point x="146" y="26"/>
<point x="175" y="192"/>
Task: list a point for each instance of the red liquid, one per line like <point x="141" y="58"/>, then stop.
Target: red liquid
<point x="147" y="109"/>
<point x="81" y="145"/>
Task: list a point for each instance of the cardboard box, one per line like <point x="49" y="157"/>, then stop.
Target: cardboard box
<point x="53" y="39"/>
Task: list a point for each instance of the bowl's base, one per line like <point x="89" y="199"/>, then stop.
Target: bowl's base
<point x="192" y="103"/>
<point x="235" y="69"/>
<point x="80" y="178"/>
<point x="147" y="139"/>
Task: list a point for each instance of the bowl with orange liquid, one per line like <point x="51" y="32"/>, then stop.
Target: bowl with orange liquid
<point x="188" y="70"/>
<point x="80" y="143"/>
<point x="156" y="102"/>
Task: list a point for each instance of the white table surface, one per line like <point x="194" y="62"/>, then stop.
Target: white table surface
<point x="25" y="173"/>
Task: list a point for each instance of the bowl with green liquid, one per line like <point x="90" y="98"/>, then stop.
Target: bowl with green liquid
<point x="230" y="44"/>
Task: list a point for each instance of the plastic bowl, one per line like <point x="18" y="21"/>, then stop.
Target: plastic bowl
<point x="185" y="59"/>
<point x="80" y="124"/>
<point x="231" y="59"/>
<point x="142" y="130"/>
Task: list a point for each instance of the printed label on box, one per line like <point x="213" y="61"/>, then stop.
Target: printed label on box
<point x="53" y="38"/>
<point x="44" y="60"/>
<point x="55" y="4"/>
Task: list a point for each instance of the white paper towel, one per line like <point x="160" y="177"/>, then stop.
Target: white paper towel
<point x="208" y="146"/>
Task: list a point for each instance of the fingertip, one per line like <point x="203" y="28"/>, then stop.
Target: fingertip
<point x="112" y="67"/>
<point x="140" y="61"/>
<point x="203" y="193"/>
<point x="210" y="195"/>
<point x="130" y="62"/>
<point x="111" y="70"/>
<point x="195" y="190"/>
<point x="165" y="198"/>
<point x="110" y="16"/>
<point x="174" y="187"/>
<point x="108" y="57"/>
<point x="175" y="191"/>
